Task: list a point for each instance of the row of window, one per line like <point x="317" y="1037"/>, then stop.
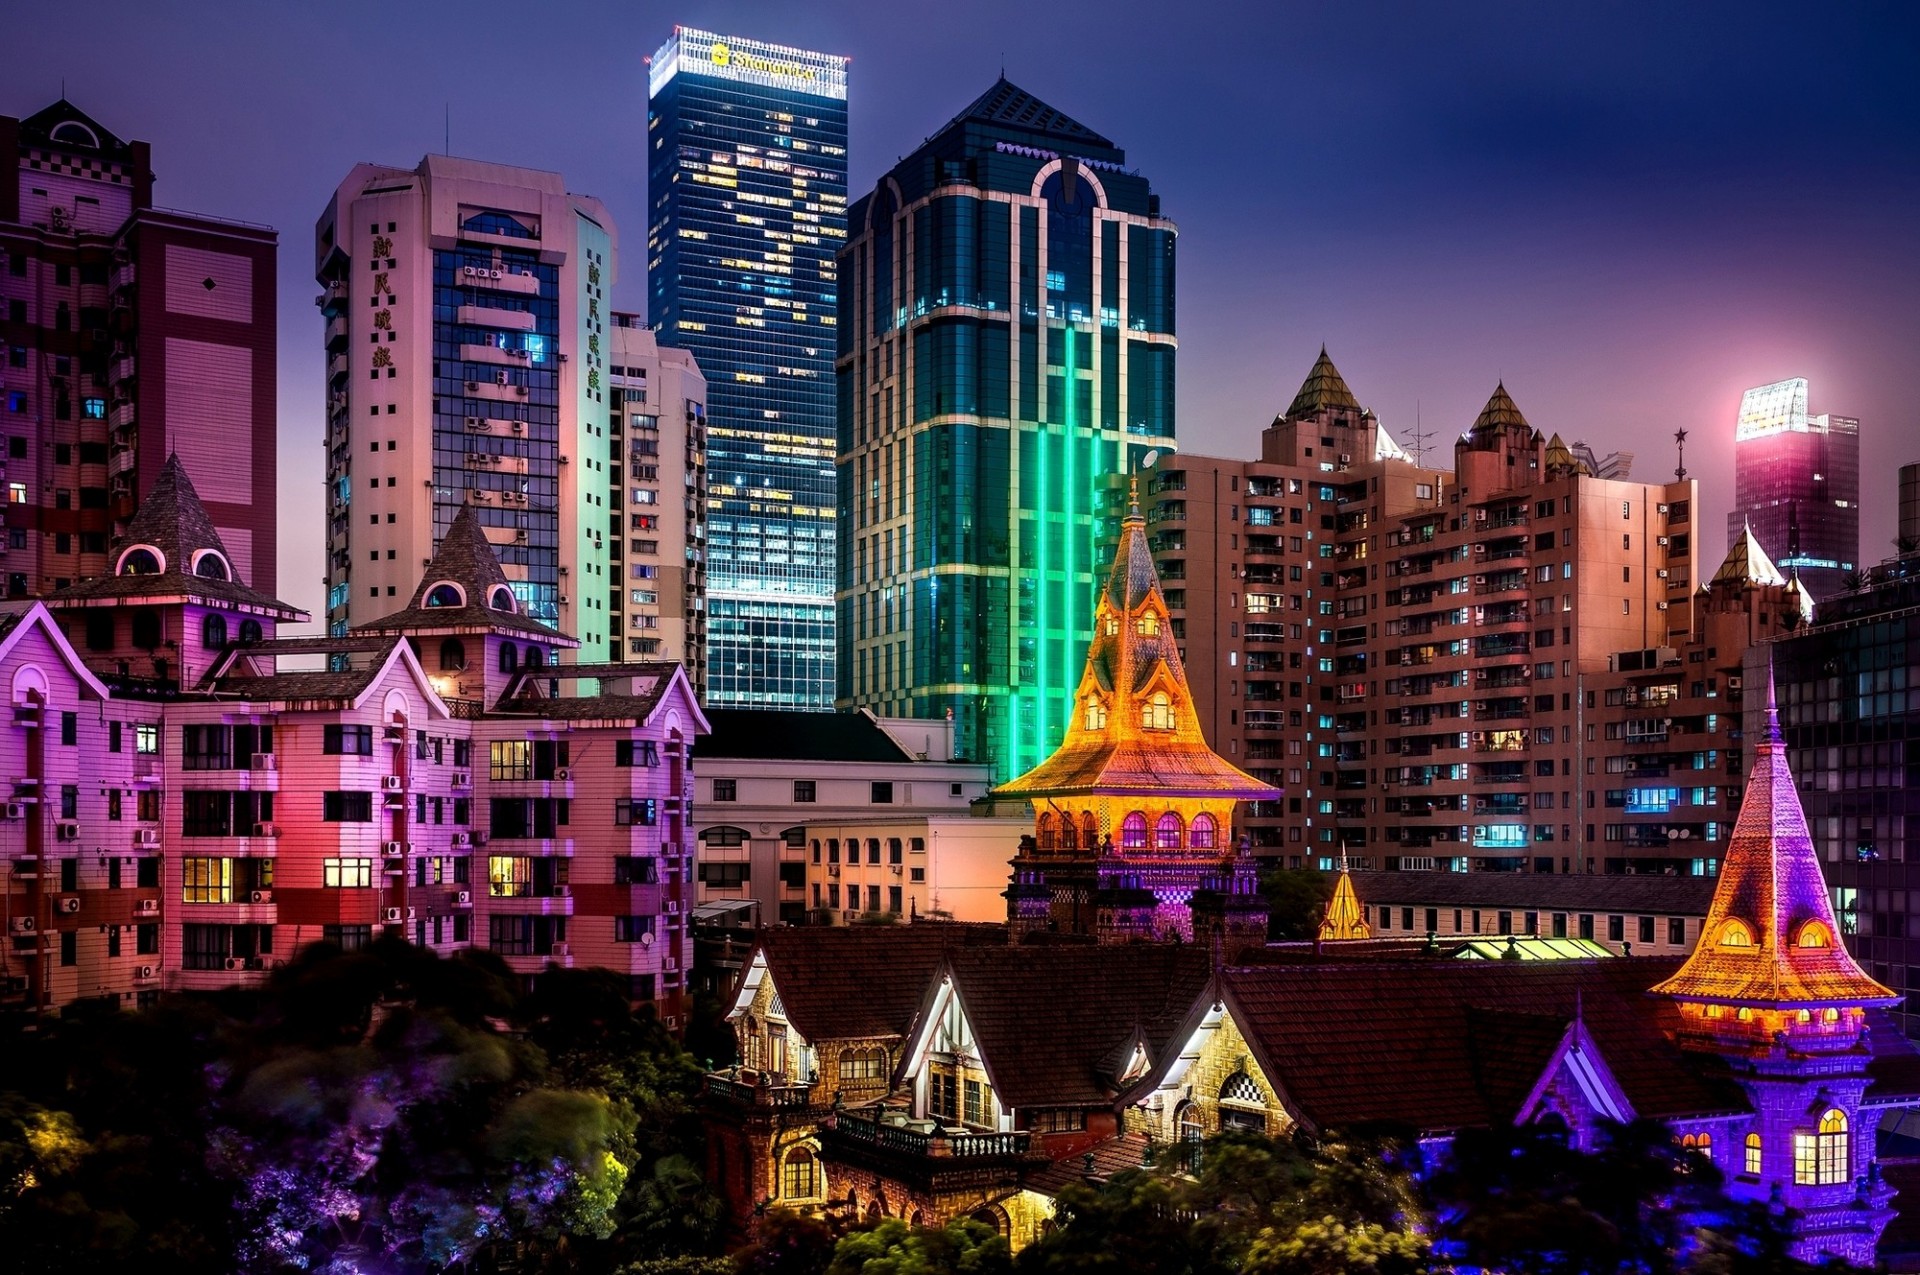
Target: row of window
<point x="806" y="791"/>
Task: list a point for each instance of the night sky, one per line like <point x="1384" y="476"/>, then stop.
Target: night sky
<point x="1629" y="213"/>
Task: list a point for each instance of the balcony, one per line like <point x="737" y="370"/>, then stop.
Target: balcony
<point x="333" y="297"/>
<point x="921" y="1151"/>
<point x="481" y="316"/>
<point x="337" y="369"/>
<point x="758" y="1089"/>
<point x="336" y="333"/>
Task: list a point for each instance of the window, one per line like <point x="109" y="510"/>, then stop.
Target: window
<point x="1201" y="835"/>
<point x="206" y="880"/>
<point x="1736" y="934"/>
<point x="1133" y="831"/>
<point x="636" y="752"/>
<point x="346" y="874"/>
<point x="731" y="875"/>
<point x="453" y="655"/>
<point x="883" y="792"/>
<point x="798" y="1175"/>
<point x="803" y="790"/>
<point x="213" y="632"/>
<point x="863" y="1064"/>
<point x="726" y="790"/>
<point x="1753" y="1154"/>
<point x="1157" y="712"/>
<point x="205" y="947"/>
<point x="510" y="759"/>
<point x="641" y="812"/>
<point x="347" y="807"/>
<point x="1148" y="625"/>
<point x="509" y="876"/>
<point x="348" y="938"/>
<point x="206" y="748"/>
<point x="635" y="870"/>
<point x="349" y="741"/>
<point x="1822" y="1158"/>
<point x="632" y="929"/>
<point x="1096" y="715"/>
<point x="1166" y="832"/>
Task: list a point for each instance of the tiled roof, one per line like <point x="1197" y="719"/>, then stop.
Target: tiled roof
<point x="587" y="708"/>
<point x="1499" y="413"/>
<point x="1747" y="563"/>
<point x="1434" y="1045"/>
<point x="1542" y="891"/>
<point x="1773" y="899"/>
<point x="1049" y="1022"/>
<point x="1324" y="388"/>
<point x="1011" y="106"/>
<point x="172" y="520"/>
<point x="348" y="684"/>
<point x="860" y="982"/>
<point x="771" y="734"/>
<point x="1344" y="919"/>
<point x="1115" y="1155"/>
<point x="466" y="559"/>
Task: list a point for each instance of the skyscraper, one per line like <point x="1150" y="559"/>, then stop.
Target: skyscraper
<point x="1006" y="341"/>
<point x="747" y="181"/>
<point x="466" y="338"/>
<point x="1796" y="481"/>
<point x="134" y="333"/>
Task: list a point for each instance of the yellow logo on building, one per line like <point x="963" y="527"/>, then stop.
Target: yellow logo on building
<point x="722" y="56"/>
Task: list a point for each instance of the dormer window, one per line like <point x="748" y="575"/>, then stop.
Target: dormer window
<point x="446" y="594"/>
<point x="1736" y="934"/>
<point x="142" y="560"/>
<point x="1096" y="715"/>
<point x="1814" y="934"/>
<point x="500" y="598"/>
<point x="1148" y="625"/>
<point x="1157" y="712"/>
<point x="1112" y="626"/>
<point x="209" y="565"/>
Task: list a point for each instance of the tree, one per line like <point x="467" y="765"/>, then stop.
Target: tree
<point x="788" y="1243"/>
<point x="1131" y="1225"/>
<point x="962" y="1247"/>
<point x="1297" y="902"/>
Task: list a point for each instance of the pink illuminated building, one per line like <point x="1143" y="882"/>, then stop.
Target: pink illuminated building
<point x="188" y="807"/>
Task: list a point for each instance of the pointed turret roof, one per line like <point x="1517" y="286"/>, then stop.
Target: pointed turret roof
<point x="1499" y="413"/>
<point x="1324" y="388"/>
<point x="1769" y="940"/>
<point x="172" y="527"/>
<point x="1560" y="456"/>
<point x="1747" y="563"/>
<point x="1010" y="106"/>
<point x="1133" y="659"/>
<point x="1345" y="918"/>
<point x="481" y="597"/>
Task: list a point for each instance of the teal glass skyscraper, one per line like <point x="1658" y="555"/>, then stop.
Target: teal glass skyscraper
<point x="747" y="191"/>
<point x="1006" y="348"/>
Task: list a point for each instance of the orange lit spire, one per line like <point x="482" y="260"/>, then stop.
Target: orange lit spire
<point x="1345" y="918"/>
<point x="1769" y="941"/>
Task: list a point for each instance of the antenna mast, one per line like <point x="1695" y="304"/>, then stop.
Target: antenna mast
<point x="1680" y="443"/>
<point x="1417" y="438"/>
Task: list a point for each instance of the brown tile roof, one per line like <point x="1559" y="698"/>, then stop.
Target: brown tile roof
<point x="1324" y="388"/>
<point x="1050" y="1022"/>
<point x="587" y="708"/>
<point x="1115" y="1155"/>
<point x="1437" y="1045"/>
<point x="303" y="687"/>
<point x="862" y="981"/>
<point x="465" y="558"/>
<point x="172" y="520"/>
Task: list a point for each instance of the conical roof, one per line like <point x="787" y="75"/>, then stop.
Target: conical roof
<point x="1499" y="413"/>
<point x="1747" y="563"/>
<point x="481" y="596"/>
<point x="1324" y="388"/>
<point x="1345" y="918"/>
<point x="173" y="526"/>
<point x="1769" y="940"/>
<point x="1133" y="728"/>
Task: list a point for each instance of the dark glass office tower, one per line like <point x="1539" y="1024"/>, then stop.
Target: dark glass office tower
<point x="1006" y="348"/>
<point x="747" y="178"/>
<point x="1796" y="480"/>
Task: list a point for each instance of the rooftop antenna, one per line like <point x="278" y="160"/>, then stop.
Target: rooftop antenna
<point x="1680" y="442"/>
<point x="1418" y="437"/>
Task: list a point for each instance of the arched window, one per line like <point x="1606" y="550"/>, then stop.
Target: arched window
<point x="1814" y="934"/>
<point x="453" y="655"/>
<point x="1043" y="832"/>
<point x="1089" y="830"/>
<point x="446" y="594"/>
<point x="1823" y="1158"/>
<point x="250" y="632"/>
<point x="535" y="657"/>
<point x="1201" y="835"/>
<point x="1112" y="625"/>
<point x="799" y="1175"/>
<point x="1166" y="832"/>
<point x="213" y="632"/>
<point x="211" y="566"/>
<point x="1735" y="933"/>
<point x="1069" y="834"/>
<point x="140" y="561"/>
<point x="1190" y="1125"/>
<point x="1753" y="1154"/>
<point x="500" y="598"/>
<point x="1133" y="831"/>
<point x="863" y="1064"/>
<point x="509" y="657"/>
<point x="1148" y="624"/>
<point x="1157" y="712"/>
<point x="1096" y="714"/>
<point x="1829" y="1016"/>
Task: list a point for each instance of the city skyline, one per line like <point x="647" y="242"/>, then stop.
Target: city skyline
<point x="1617" y="310"/>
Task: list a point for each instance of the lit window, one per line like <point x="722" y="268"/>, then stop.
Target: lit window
<point x="1201" y="835"/>
<point x="799" y="1176"/>
<point x="1133" y="831"/>
<point x="1736" y="934"/>
<point x="1814" y="934"/>
<point x="1157" y="712"/>
<point x="1096" y="715"/>
<point x="1148" y="623"/>
<point x="1166" y="832"/>
<point x="1753" y="1153"/>
<point x="1822" y="1158"/>
<point x="346" y="874"/>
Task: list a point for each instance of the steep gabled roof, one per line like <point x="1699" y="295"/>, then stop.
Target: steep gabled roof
<point x="1324" y="388"/>
<point x="1747" y="563"/>
<point x="466" y="559"/>
<point x="38" y="129"/>
<point x="861" y="982"/>
<point x="1010" y="106"/>
<point x="1770" y="939"/>
<point x="172" y="521"/>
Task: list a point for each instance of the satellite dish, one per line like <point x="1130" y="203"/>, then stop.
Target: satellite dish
<point x="646" y="940"/>
<point x="1151" y="459"/>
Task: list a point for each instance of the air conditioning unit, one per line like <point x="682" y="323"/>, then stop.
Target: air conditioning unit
<point x="256" y="962"/>
<point x="70" y="904"/>
<point x="391" y="783"/>
<point x="21" y="925"/>
<point x="143" y="973"/>
<point x="461" y="839"/>
<point x="463" y="898"/>
<point x="1661" y="573"/>
<point x="501" y="378"/>
<point x="236" y="962"/>
<point x="481" y="837"/>
<point x="1479" y="579"/>
<point x="146" y="838"/>
<point x="669" y="964"/>
<point x="519" y="427"/>
<point x="1659" y="606"/>
<point x="463" y="779"/>
<point x="266" y="830"/>
<point x="896" y="869"/>
<point x="265" y="761"/>
<point x="15" y="810"/>
<point x="146" y="907"/>
<point x="521" y="390"/>
<point x="260" y="896"/>
<point x="562" y="891"/>
<point x="411" y="914"/>
<point x="66" y="830"/>
<point x="1346" y="458"/>
<point x="393" y="847"/>
<point x="563" y="774"/>
<point x="1661" y="541"/>
<point x="393" y="916"/>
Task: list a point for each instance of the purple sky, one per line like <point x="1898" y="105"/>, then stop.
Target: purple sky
<point x="1631" y="214"/>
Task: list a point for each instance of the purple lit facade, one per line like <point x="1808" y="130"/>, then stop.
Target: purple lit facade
<point x="1796" y="482"/>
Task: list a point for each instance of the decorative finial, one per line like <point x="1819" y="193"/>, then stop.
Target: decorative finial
<point x="1680" y="441"/>
<point x="1133" y="499"/>
<point x="1773" y="706"/>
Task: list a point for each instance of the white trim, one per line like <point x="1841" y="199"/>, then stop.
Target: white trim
<point x="37" y="614"/>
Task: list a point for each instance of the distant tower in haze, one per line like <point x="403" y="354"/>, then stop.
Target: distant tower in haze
<point x="747" y="191"/>
<point x="1796" y="482"/>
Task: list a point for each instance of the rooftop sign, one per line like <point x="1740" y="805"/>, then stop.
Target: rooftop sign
<point x="728" y="57"/>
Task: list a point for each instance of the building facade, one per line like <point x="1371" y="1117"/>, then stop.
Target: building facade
<point x="1796" y="482"/>
<point x="1006" y="339"/>
<point x="186" y="813"/>
<point x="657" y="547"/>
<point x="465" y="327"/>
<point x="747" y="183"/>
<point x="132" y="333"/>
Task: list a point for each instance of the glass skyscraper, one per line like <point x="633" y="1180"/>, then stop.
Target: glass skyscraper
<point x="1006" y="348"/>
<point x="747" y="181"/>
<point x="1796" y="481"/>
